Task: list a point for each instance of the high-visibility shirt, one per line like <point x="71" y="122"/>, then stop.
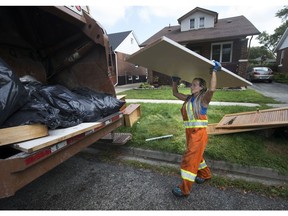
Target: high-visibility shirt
<point x="189" y="120"/>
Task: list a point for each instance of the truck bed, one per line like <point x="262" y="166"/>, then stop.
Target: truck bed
<point x="34" y="160"/>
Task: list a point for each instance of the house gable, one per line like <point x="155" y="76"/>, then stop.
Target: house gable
<point x="283" y="42"/>
<point x="198" y="18"/>
<point x="124" y="42"/>
<point x="282" y="53"/>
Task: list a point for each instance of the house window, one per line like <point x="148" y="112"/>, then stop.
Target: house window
<point x="192" y="23"/>
<point x="132" y="40"/>
<point x="222" y="52"/>
<point x="282" y="58"/>
<point x="201" y="22"/>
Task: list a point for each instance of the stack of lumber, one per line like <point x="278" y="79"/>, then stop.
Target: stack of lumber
<point x="22" y="133"/>
<point x="249" y="121"/>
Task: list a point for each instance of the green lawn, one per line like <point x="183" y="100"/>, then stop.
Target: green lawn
<point x="165" y="93"/>
<point x="249" y="148"/>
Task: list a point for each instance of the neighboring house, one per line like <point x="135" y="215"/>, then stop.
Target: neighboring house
<point x="124" y="44"/>
<point x="223" y="40"/>
<point x="282" y="53"/>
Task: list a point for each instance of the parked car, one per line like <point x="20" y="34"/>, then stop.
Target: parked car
<point x="260" y="74"/>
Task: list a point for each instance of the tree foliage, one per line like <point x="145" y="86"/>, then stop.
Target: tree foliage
<point x="270" y="41"/>
<point x="258" y="52"/>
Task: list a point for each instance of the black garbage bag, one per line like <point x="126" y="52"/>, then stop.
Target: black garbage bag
<point x="31" y="85"/>
<point x="35" y="112"/>
<point x="72" y="112"/>
<point x="104" y="103"/>
<point x="58" y="107"/>
<point x="12" y="93"/>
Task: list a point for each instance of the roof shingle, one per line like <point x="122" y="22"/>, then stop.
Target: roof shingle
<point x="116" y="39"/>
<point x="228" y="28"/>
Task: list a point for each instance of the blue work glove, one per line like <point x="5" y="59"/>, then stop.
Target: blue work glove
<point x="217" y="66"/>
<point x="176" y="79"/>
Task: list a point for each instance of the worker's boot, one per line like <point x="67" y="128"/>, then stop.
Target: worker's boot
<point x="199" y="180"/>
<point x="177" y="192"/>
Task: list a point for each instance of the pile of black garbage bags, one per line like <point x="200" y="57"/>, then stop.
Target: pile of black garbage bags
<point x="26" y="101"/>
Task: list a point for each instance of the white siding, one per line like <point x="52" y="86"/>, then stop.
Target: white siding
<point x="209" y="21"/>
<point x="129" y="45"/>
<point x="284" y="44"/>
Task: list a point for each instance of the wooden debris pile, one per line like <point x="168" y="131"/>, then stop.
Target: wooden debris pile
<point x="250" y="121"/>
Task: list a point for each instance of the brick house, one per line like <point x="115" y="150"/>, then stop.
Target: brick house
<point x="122" y="45"/>
<point x="200" y="30"/>
<point x="282" y="53"/>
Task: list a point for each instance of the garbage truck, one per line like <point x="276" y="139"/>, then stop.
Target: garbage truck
<point x="57" y="46"/>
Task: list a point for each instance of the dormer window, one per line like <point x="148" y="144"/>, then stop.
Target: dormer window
<point x="192" y="23"/>
<point x="201" y="22"/>
<point x="198" y="18"/>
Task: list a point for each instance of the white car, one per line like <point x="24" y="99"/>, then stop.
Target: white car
<point x="260" y="74"/>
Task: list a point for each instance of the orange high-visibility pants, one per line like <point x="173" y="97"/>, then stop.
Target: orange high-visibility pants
<point x="193" y="163"/>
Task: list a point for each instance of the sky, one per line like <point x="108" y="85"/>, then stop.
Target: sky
<point x="145" y="18"/>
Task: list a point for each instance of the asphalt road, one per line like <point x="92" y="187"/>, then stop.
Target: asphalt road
<point x="86" y="182"/>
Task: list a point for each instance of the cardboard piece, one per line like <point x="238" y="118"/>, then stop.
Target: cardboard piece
<point x="171" y="58"/>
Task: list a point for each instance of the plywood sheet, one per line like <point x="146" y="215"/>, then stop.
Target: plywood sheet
<point x="22" y="133"/>
<point x="269" y="117"/>
<point x="55" y="136"/>
<point x="169" y="57"/>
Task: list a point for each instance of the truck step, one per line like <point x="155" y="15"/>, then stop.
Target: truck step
<point x="116" y="138"/>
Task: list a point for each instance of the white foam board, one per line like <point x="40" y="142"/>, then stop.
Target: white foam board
<point x="171" y="58"/>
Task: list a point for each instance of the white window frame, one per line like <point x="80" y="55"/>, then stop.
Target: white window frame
<point x="221" y="50"/>
<point x="281" y="58"/>
<point x="194" y="22"/>
<point x="201" y="24"/>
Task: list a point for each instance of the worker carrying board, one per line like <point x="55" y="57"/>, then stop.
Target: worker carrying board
<point x="170" y="58"/>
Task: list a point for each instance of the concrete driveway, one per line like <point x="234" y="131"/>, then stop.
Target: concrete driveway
<point x="278" y="91"/>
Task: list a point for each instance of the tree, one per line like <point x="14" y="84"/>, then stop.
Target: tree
<point x="256" y="52"/>
<point x="270" y="41"/>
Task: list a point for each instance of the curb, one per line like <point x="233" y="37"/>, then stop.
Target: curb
<point x="255" y="174"/>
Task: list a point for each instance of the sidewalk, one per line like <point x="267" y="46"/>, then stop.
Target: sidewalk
<point x="181" y="102"/>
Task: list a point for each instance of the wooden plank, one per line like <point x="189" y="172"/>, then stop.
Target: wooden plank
<point x="169" y="57"/>
<point x="56" y="136"/>
<point x="123" y="98"/>
<point x="213" y="130"/>
<point x="269" y="117"/>
<point x="22" y="133"/>
<point x="131" y="114"/>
